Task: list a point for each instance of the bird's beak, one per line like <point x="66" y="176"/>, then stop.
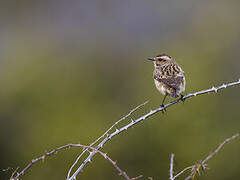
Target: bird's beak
<point x="151" y="59"/>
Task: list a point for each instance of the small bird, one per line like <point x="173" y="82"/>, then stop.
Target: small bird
<point x="169" y="78"/>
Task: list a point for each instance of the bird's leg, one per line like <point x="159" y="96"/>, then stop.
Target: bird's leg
<point x="181" y="98"/>
<point x="162" y="105"/>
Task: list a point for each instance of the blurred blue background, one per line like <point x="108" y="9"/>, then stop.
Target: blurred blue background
<point x="70" y="69"/>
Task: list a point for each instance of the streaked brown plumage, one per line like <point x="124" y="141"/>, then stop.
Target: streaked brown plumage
<point x="168" y="76"/>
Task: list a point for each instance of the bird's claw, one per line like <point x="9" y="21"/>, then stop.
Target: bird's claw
<point x="163" y="108"/>
<point x="182" y="98"/>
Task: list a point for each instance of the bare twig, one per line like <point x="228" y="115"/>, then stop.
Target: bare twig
<point x="94" y="150"/>
<point x="145" y="116"/>
<point x="171" y="167"/>
<point x="195" y="169"/>
<point x="191" y="175"/>
<point x="104" y="134"/>
<point x="219" y="148"/>
<point x="181" y="172"/>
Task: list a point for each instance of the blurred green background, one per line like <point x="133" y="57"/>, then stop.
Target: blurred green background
<point x="70" y="69"/>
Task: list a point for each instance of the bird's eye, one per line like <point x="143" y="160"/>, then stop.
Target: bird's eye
<point x="163" y="60"/>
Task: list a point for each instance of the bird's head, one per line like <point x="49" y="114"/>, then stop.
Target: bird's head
<point x="161" y="60"/>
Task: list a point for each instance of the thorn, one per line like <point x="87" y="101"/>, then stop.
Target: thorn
<point x="91" y="153"/>
<point x="224" y="85"/>
<point x="117" y="130"/>
<point x="214" y="89"/>
<point x="43" y="158"/>
<point x="195" y="94"/>
<point x="164" y="110"/>
<point x="132" y="121"/>
<point x="198" y="171"/>
<point x="204" y="167"/>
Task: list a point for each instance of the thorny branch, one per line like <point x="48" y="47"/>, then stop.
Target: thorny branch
<point x="105" y="134"/>
<point x="145" y="116"/>
<point x="94" y="150"/>
<point x="195" y="169"/>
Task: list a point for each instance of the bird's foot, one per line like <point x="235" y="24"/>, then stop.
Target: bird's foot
<point x="182" y="98"/>
<point x="163" y="108"/>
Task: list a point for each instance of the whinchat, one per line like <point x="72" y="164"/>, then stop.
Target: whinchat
<point x="169" y="78"/>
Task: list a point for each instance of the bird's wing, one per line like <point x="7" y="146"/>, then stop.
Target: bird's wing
<point x="171" y="81"/>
